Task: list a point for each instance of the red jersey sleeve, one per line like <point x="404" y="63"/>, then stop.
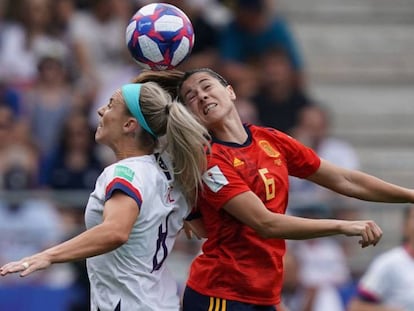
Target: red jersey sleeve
<point x="301" y="161"/>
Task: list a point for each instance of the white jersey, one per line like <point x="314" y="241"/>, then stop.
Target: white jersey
<point x="390" y="280"/>
<point x="134" y="276"/>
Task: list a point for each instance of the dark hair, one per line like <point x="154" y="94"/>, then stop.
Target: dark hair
<point x="189" y="73"/>
<point x="168" y="80"/>
<point x="172" y="80"/>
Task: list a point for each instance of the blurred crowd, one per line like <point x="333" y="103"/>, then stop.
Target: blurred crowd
<point x="61" y="59"/>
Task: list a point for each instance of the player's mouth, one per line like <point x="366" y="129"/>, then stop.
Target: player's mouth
<point x="208" y="107"/>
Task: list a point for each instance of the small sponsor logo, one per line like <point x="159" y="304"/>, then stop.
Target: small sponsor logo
<point x="237" y="162"/>
<point x="125" y="172"/>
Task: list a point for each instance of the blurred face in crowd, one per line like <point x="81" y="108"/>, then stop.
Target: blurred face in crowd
<point x="314" y="122"/>
<point x="252" y="16"/>
<point x="277" y="71"/>
<point x="51" y="71"/>
<point x="37" y="13"/>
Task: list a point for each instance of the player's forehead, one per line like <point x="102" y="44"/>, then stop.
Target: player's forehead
<point x="197" y="79"/>
<point x="117" y="97"/>
<point x="117" y="100"/>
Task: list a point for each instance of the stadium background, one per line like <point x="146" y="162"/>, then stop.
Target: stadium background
<point x="358" y="61"/>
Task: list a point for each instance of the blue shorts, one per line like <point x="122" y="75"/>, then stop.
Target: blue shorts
<point x="194" y="301"/>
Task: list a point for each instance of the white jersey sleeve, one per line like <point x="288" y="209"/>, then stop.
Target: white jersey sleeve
<point x="134" y="276"/>
<point x="390" y="280"/>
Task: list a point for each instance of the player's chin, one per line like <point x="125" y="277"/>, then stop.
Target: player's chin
<point x="99" y="136"/>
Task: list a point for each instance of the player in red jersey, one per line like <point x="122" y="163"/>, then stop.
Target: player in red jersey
<point x="245" y="198"/>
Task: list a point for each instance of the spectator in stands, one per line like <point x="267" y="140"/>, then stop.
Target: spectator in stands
<point x="323" y="261"/>
<point x="27" y="39"/>
<point x="49" y="102"/>
<point x="63" y="12"/>
<point x="16" y="153"/>
<point x="254" y="28"/>
<point x="388" y="284"/>
<point x="98" y="37"/>
<point x="27" y="224"/>
<point x="205" y="50"/>
<point x="279" y="99"/>
<point x="297" y="296"/>
<point x="74" y="165"/>
<point x="314" y="130"/>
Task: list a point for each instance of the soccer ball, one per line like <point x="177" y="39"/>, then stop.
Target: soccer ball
<point x="159" y="36"/>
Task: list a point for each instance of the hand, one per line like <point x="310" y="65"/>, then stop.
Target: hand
<point x="368" y="230"/>
<point x="189" y="232"/>
<point x="195" y="228"/>
<point x="26" y="265"/>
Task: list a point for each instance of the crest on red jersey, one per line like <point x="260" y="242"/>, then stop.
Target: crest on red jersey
<point x="270" y="151"/>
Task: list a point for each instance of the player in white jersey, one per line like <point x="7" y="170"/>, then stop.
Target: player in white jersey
<point x="388" y="284"/>
<point x="130" y="274"/>
<point x="137" y="208"/>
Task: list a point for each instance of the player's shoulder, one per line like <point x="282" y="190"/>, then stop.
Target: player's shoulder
<point x="269" y="133"/>
<point x="128" y="168"/>
<point x="390" y="257"/>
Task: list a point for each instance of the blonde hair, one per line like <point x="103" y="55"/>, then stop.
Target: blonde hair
<point x="186" y="140"/>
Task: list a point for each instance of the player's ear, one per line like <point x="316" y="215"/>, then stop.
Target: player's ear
<point x="130" y="125"/>
<point x="231" y="92"/>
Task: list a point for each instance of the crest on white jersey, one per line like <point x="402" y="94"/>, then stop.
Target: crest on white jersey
<point x="215" y="179"/>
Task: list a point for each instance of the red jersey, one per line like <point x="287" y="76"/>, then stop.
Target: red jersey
<point x="236" y="263"/>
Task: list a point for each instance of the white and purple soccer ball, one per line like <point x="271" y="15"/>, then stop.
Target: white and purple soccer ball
<point x="159" y="36"/>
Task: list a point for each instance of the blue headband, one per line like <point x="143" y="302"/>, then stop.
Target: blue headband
<point x="131" y="94"/>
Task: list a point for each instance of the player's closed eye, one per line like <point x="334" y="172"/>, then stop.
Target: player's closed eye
<point x="191" y="99"/>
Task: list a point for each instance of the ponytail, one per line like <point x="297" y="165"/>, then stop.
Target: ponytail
<point x="186" y="139"/>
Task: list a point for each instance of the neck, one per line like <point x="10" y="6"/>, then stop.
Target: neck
<point x="128" y="148"/>
<point x="121" y="155"/>
<point x="232" y="131"/>
<point x="129" y="151"/>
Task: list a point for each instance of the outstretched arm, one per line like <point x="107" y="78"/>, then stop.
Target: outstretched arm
<point x="120" y="214"/>
<point x="360" y="185"/>
<point x="249" y="209"/>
